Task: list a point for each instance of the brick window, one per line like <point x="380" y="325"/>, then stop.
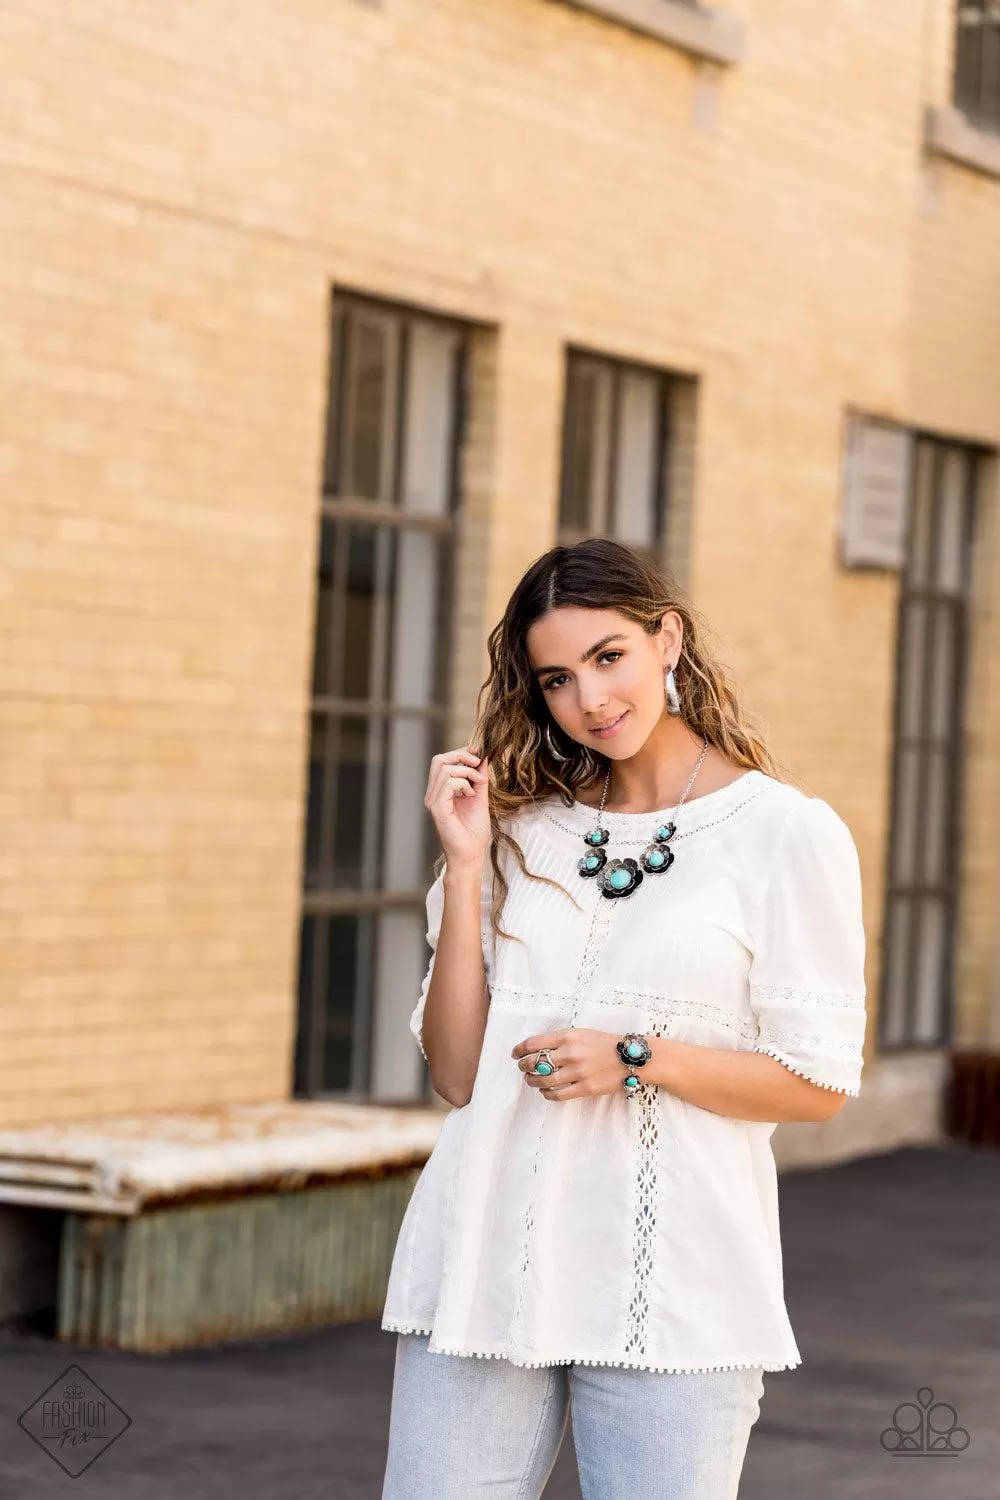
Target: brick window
<point x="977" y="62"/>
<point x="932" y="645"/>
<point x="378" y="713"/>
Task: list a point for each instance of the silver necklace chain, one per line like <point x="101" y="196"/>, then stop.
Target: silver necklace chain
<point x="620" y="877"/>
<point x="690" y="784"/>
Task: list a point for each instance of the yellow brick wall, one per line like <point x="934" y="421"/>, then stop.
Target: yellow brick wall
<point x="178" y="194"/>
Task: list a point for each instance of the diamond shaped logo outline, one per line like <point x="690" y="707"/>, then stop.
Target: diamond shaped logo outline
<point x="71" y="1371"/>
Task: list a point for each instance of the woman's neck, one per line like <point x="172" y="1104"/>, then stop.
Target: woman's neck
<point x="657" y="774"/>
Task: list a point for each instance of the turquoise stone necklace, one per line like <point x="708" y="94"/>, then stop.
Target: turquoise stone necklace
<point x="620" y="877"/>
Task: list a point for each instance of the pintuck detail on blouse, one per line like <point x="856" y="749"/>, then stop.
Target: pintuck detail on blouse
<point x="640" y="1232"/>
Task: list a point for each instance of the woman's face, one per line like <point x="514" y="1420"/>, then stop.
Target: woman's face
<point x="601" y="674"/>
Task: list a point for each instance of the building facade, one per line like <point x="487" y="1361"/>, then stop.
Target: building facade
<point x="318" y="329"/>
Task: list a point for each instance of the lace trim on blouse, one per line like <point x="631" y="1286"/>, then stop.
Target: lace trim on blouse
<point x="620" y="830"/>
<point x="399" y="1325"/>
<point x="644" y="1237"/>
<point x="831" y="1058"/>
<point x="508" y="997"/>
<point x="775" y="1052"/>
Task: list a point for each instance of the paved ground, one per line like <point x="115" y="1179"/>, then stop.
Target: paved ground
<point x="892" y="1270"/>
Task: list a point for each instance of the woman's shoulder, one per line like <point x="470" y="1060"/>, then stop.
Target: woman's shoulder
<point x="789" y="814"/>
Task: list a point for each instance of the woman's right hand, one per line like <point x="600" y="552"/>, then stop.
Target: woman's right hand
<point x="456" y="798"/>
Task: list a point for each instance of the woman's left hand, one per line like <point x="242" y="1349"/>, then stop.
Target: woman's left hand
<point x="586" y="1063"/>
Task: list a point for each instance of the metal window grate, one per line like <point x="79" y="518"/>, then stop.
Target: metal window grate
<point x="387" y="534"/>
<point x="616" y="449"/>
<point x="924" y="852"/>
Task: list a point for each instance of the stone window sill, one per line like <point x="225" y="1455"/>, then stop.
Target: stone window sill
<point x="696" y="29"/>
<point x="948" y="133"/>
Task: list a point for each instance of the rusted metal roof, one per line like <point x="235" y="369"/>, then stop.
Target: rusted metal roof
<point x="121" y="1164"/>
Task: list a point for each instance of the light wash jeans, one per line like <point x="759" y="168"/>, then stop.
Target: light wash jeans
<point x="465" y="1428"/>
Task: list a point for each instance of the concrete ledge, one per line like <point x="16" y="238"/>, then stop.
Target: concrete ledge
<point x="948" y="133"/>
<point x="695" y="29"/>
<point x="124" y="1164"/>
<point x="901" y="1104"/>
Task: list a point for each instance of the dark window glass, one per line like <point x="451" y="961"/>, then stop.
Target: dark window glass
<point x="335" y="966"/>
<point x="931" y="648"/>
<point x="382" y="615"/>
<point x="977" y="62"/>
<point x="614" y="456"/>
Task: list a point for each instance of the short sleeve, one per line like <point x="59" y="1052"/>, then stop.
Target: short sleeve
<point x="435" y="914"/>
<point x="807" y="974"/>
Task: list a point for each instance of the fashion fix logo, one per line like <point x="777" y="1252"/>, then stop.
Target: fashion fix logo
<point x="74" y="1421"/>
<point x="925" y="1428"/>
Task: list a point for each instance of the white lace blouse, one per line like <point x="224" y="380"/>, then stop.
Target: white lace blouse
<point x="637" y="1231"/>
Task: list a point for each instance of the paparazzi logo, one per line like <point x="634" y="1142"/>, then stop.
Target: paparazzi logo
<point x="925" y="1428"/>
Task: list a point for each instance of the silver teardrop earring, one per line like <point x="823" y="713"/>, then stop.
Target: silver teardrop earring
<point x="670" y="688"/>
<point x="554" y="751"/>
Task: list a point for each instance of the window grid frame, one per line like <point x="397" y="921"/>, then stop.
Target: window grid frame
<point x="909" y="893"/>
<point x="660" y="501"/>
<point x="321" y="902"/>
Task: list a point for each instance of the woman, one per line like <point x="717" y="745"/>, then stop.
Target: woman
<point x="597" y="1224"/>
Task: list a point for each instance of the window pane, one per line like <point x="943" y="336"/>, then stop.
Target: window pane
<point x="906" y="816"/>
<point x="364" y="644"/>
<point x="944" y="672"/>
<point x="345" y="806"/>
<point x="410" y="750"/>
<point x="937" y="818"/>
<point x="929" y="974"/>
<point x="636" y="467"/>
<point x="353" y="609"/>
<point x="912" y="668"/>
<point x="321" y="753"/>
<point x="415" y="636"/>
<point x="587" y="446"/>
<point x="433" y="354"/>
<point x="357" y="802"/>
<point x="398" y="1070"/>
<point x="334" y="984"/>
<point x="990" y="106"/>
<point x="950" y="569"/>
<point x="896" y="950"/>
<point x="918" y="567"/>
<point x="348" y="979"/>
<point x="968" y="54"/>
<point x="369" y="405"/>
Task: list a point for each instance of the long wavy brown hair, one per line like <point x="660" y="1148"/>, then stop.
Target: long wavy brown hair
<point x="511" y="712"/>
